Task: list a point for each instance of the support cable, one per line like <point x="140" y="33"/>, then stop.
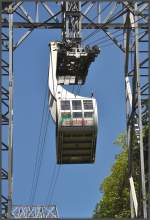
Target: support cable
<point x="38" y="155"/>
<point x="109" y="35"/>
<point x="51" y="184"/>
<point x="40" y="160"/>
<point x="104" y="37"/>
<point x="104" y="41"/>
<point x="51" y="195"/>
<point x="112" y="18"/>
<point x="101" y="28"/>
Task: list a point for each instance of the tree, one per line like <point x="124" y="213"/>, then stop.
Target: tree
<point x="115" y="202"/>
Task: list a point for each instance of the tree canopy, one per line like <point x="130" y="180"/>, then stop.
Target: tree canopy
<point x="115" y="202"/>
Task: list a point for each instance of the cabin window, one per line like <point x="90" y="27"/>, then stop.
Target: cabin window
<point x="76" y="105"/>
<point x="88" y="114"/>
<point x="77" y="114"/>
<point x="65" y="105"/>
<point x="88" y="104"/>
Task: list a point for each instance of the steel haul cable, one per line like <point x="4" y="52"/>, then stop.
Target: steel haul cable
<point x="40" y="160"/>
<point x="38" y="152"/>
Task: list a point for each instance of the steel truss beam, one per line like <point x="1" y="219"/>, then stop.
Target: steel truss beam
<point x="132" y="21"/>
<point x="35" y="212"/>
<point x="60" y="25"/>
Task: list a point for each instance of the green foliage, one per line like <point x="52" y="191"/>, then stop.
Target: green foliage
<point x="115" y="201"/>
<point x="121" y="141"/>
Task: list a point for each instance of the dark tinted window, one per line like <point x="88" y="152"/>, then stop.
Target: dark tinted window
<point x="76" y="105"/>
<point x="65" y="105"/>
<point x="88" y="114"/>
<point x="77" y="114"/>
<point x="88" y="104"/>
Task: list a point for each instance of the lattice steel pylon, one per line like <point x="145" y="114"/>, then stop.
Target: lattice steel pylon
<point x="132" y="21"/>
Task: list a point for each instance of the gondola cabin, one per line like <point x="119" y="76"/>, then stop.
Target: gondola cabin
<point x="76" y="130"/>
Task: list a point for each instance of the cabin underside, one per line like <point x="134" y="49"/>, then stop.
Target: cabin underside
<point x="76" y="146"/>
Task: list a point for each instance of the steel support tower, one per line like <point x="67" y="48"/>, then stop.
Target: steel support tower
<point x="127" y="17"/>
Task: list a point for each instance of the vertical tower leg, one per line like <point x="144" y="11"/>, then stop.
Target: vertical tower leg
<point x="136" y="82"/>
<point x="0" y="113"/>
<point x="6" y="115"/>
<point x="10" y="132"/>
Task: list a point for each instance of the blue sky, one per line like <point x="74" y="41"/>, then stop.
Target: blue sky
<point x="76" y="191"/>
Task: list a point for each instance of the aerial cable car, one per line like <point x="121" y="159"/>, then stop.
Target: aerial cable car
<point x="75" y="117"/>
